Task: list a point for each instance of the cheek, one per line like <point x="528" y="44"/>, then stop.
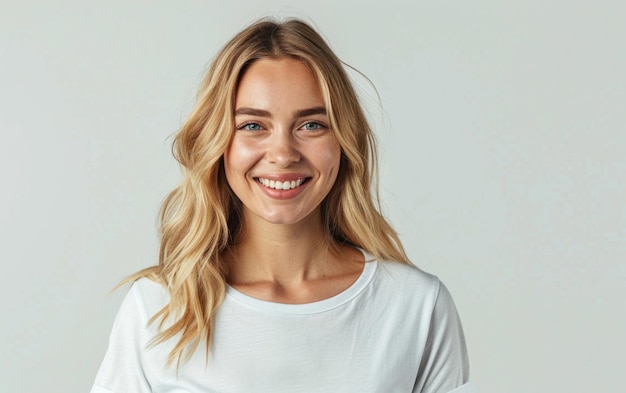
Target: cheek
<point x="232" y="165"/>
<point x="330" y="161"/>
<point x="331" y="154"/>
<point x="238" y="157"/>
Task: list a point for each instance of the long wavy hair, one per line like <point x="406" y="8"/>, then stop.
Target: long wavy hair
<point x="201" y="217"/>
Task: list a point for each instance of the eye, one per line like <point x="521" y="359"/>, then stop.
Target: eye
<point x="313" y="126"/>
<point x="250" y="126"/>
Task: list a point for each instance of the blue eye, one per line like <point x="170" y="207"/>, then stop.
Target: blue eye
<point x="313" y="126"/>
<point x="251" y="127"/>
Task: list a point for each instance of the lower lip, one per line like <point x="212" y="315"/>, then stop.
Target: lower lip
<point x="283" y="194"/>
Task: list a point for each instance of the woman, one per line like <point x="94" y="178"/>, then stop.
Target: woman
<point x="277" y="272"/>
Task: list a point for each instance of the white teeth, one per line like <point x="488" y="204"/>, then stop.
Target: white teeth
<point x="279" y="185"/>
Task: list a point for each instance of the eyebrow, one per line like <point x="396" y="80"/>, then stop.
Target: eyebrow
<point x="252" y="112"/>
<point x="318" y="110"/>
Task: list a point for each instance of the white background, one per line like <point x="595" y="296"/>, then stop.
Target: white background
<point x="503" y="167"/>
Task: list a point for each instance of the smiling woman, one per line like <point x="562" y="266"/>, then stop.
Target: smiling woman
<point x="273" y="256"/>
<point x="282" y="138"/>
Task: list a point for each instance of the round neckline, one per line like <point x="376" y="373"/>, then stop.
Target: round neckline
<point x="369" y="268"/>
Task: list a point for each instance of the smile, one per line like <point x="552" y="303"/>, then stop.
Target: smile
<point x="282" y="185"/>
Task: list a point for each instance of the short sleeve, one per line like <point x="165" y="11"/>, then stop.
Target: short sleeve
<point x="122" y="369"/>
<point x="444" y="367"/>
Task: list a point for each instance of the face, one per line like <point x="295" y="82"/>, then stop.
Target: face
<point x="283" y="157"/>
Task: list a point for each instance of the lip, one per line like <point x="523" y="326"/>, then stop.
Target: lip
<point x="281" y="176"/>
<point x="283" y="194"/>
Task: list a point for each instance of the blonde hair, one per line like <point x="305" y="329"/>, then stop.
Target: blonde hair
<point x="200" y="218"/>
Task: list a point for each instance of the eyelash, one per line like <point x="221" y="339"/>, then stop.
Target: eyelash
<point x="319" y="125"/>
<point x="249" y="123"/>
<point x="316" y="123"/>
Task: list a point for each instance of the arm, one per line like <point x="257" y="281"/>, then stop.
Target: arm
<point x="444" y="367"/>
<point x="122" y="369"/>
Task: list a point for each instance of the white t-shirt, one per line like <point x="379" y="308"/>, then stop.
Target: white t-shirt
<point x="394" y="330"/>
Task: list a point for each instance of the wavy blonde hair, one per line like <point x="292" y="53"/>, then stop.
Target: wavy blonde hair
<point x="201" y="217"/>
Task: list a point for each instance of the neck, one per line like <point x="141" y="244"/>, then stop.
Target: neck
<point x="279" y="253"/>
<point x="293" y="263"/>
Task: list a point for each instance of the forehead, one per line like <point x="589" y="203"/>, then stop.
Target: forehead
<point x="278" y="83"/>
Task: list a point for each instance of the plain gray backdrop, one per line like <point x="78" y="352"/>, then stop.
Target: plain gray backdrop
<point x="501" y="129"/>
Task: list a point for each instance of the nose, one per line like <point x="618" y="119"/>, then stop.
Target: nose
<point x="282" y="148"/>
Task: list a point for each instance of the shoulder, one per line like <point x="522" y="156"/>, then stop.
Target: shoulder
<point x="411" y="288"/>
<point x="145" y="297"/>
<point x="407" y="278"/>
<point x="146" y="287"/>
<point x="401" y="288"/>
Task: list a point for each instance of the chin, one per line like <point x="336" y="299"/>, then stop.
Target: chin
<point x="286" y="217"/>
<point x="279" y="220"/>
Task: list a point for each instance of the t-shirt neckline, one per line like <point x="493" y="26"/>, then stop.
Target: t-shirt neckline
<point x="319" y="306"/>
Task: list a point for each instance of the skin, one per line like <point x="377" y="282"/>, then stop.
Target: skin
<point x="282" y="134"/>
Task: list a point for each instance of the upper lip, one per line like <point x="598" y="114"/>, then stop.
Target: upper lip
<point x="282" y="176"/>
